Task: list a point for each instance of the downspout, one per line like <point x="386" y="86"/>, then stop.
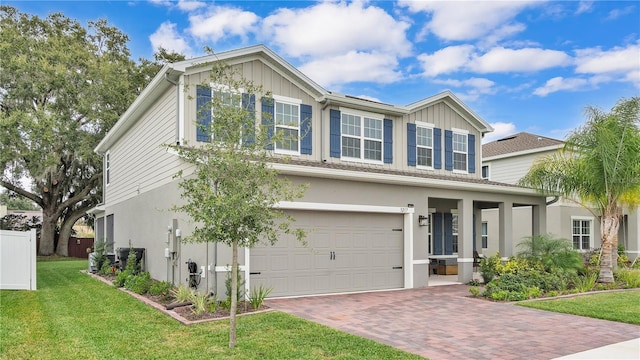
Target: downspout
<point x="554" y="200"/>
<point x="322" y="146"/>
<point x="166" y="77"/>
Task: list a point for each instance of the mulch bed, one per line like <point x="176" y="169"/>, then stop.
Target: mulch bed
<point x="182" y="312"/>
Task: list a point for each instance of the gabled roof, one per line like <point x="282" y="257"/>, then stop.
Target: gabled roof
<point x="519" y="143"/>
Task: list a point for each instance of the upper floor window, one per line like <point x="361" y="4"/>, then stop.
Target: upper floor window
<point x="424" y="145"/>
<point x="582" y="233"/>
<point x="287" y="125"/>
<point x="485" y="172"/>
<point x="459" y="151"/>
<point x="361" y="137"/>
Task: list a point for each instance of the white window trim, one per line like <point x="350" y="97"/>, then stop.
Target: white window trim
<point x="290" y="101"/>
<point x="428" y="126"/>
<point x="591" y="220"/>
<point x="453" y="151"/>
<point x="222" y="88"/>
<point x="455" y="234"/>
<point x="362" y="115"/>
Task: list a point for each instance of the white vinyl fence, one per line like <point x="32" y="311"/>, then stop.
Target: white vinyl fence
<point x="18" y="260"/>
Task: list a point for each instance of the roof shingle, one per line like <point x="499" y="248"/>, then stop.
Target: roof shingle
<point x="518" y="142"/>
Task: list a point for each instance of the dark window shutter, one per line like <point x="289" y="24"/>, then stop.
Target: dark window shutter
<point x="437" y="234"/>
<point x="448" y="150"/>
<point x="448" y="234"/>
<point x="411" y="144"/>
<point x="249" y="130"/>
<point x="334" y="133"/>
<point x="306" y="129"/>
<point x="437" y="148"/>
<point x="472" y="153"/>
<point x="203" y="113"/>
<point x="268" y="122"/>
<point x="388" y="141"/>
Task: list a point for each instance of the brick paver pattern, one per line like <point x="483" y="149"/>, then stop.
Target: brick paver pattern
<point x="444" y="322"/>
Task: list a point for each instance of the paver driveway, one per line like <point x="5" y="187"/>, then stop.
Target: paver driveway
<point x="442" y="322"/>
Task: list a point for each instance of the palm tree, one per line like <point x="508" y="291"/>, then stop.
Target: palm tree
<point x="599" y="168"/>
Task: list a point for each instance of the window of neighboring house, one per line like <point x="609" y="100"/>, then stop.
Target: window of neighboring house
<point x="582" y="233"/>
<point x="454" y="232"/>
<point x="485" y="235"/>
<point x="107" y="168"/>
<point x="424" y="146"/>
<point x="287" y="126"/>
<point x="459" y="151"/>
<point x="485" y="172"/>
<point x="361" y="137"/>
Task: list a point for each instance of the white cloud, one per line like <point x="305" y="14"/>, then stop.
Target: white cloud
<point x="167" y="37"/>
<point x="616" y="13"/>
<point x="221" y="21"/>
<point x="500" y="130"/>
<point x="190" y="5"/>
<point x="446" y="60"/>
<point x="352" y="66"/>
<point x="584" y="7"/>
<point x="333" y="28"/>
<point x="500" y="59"/>
<point x="473" y="88"/>
<point x="616" y="60"/>
<point x="453" y="20"/>
<point x="561" y="84"/>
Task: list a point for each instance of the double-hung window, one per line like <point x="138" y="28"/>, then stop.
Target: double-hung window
<point x="424" y="145"/>
<point x="454" y="232"/>
<point x="459" y="151"/>
<point x="287" y="125"/>
<point x="361" y="137"/>
<point x="217" y="107"/>
<point x="582" y="232"/>
<point x="485" y="235"/>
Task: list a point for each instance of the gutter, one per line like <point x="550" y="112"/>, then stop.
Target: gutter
<point x="554" y="200"/>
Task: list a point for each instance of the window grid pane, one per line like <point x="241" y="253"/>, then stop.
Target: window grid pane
<point x="459" y="161"/>
<point x="350" y="125"/>
<point x="581" y="235"/>
<point x="424" y="156"/>
<point x="288" y="139"/>
<point x="460" y="143"/>
<point x="350" y="147"/>
<point x="424" y="137"/>
<point x="372" y="150"/>
<point x="373" y="128"/>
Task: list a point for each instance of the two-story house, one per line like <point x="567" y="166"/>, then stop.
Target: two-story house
<point x="509" y="159"/>
<point x="390" y="187"/>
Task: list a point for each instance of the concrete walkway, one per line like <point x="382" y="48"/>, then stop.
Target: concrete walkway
<point x="443" y="322"/>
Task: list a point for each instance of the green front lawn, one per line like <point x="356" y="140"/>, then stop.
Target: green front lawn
<point x="73" y="316"/>
<point x="615" y="306"/>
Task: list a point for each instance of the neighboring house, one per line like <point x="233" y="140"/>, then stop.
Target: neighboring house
<point x="509" y="159"/>
<point x="390" y="187"/>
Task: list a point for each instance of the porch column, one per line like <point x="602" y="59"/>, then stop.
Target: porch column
<point x="477" y="214"/>
<point x="539" y="219"/>
<point x="465" y="240"/>
<point x="505" y="234"/>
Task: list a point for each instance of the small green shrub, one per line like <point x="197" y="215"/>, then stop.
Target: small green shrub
<point x="121" y="277"/>
<point x="199" y="304"/>
<point x="552" y="293"/>
<point x="227" y="283"/>
<point x="160" y="288"/>
<point x="132" y="261"/>
<point x="182" y="294"/>
<point x="212" y="303"/>
<point x="474" y="282"/>
<point x="106" y="268"/>
<point x="629" y="277"/>
<point x="488" y="267"/>
<point x="623" y="261"/>
<point x="226" y="304"/>
<point x="257" y="296"/>
<point x="586" y="282"/>
<point x="533" y="292"/>
<point x="514" y="265"/>
<point x="475" y="291"/>
<point x="138" y="283"/>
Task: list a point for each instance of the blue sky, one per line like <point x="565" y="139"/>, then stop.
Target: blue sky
<point x="521" y="65"/>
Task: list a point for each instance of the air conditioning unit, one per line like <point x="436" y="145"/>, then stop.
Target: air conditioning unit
<point x="93" y="264"/>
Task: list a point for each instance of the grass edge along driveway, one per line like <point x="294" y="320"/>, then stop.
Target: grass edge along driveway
<point x="73" y="316"/>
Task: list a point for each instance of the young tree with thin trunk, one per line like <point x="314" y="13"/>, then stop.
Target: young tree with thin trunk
<point x="233" y="192"/>
<point x="599" y="168"/>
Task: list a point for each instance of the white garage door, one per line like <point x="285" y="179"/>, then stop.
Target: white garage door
<point x="345" y="252"/>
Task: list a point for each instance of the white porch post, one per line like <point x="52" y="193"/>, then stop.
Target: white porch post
<point x="505" y="234"/>
<point x="465" y="240"/>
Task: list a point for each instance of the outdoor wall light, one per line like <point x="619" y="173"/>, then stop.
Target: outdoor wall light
<point x="423" y="220"/>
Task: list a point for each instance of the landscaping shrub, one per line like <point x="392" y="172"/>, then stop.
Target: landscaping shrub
<point x="553" y="254"/>
<point x="257" y="296"/>
<point x="138" y="283"/>
<point x="121" y="277"/>
<point x="474" y="290"/>
<point x="106" y="268"/>
<point x="586" y="282"/>
<point x="199" y="303"/>
<point x="488" y="267"/>
<point x="182" y="294"/>
<point x="629" y="277"/>
<point x="160" y="288"/>
<point x="227" y="284"/>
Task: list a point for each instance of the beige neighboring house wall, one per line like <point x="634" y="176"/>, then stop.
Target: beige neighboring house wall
<point x="509" y="159"/>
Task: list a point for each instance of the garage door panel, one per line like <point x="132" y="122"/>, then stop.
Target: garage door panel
<point x="346" y="252"/>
